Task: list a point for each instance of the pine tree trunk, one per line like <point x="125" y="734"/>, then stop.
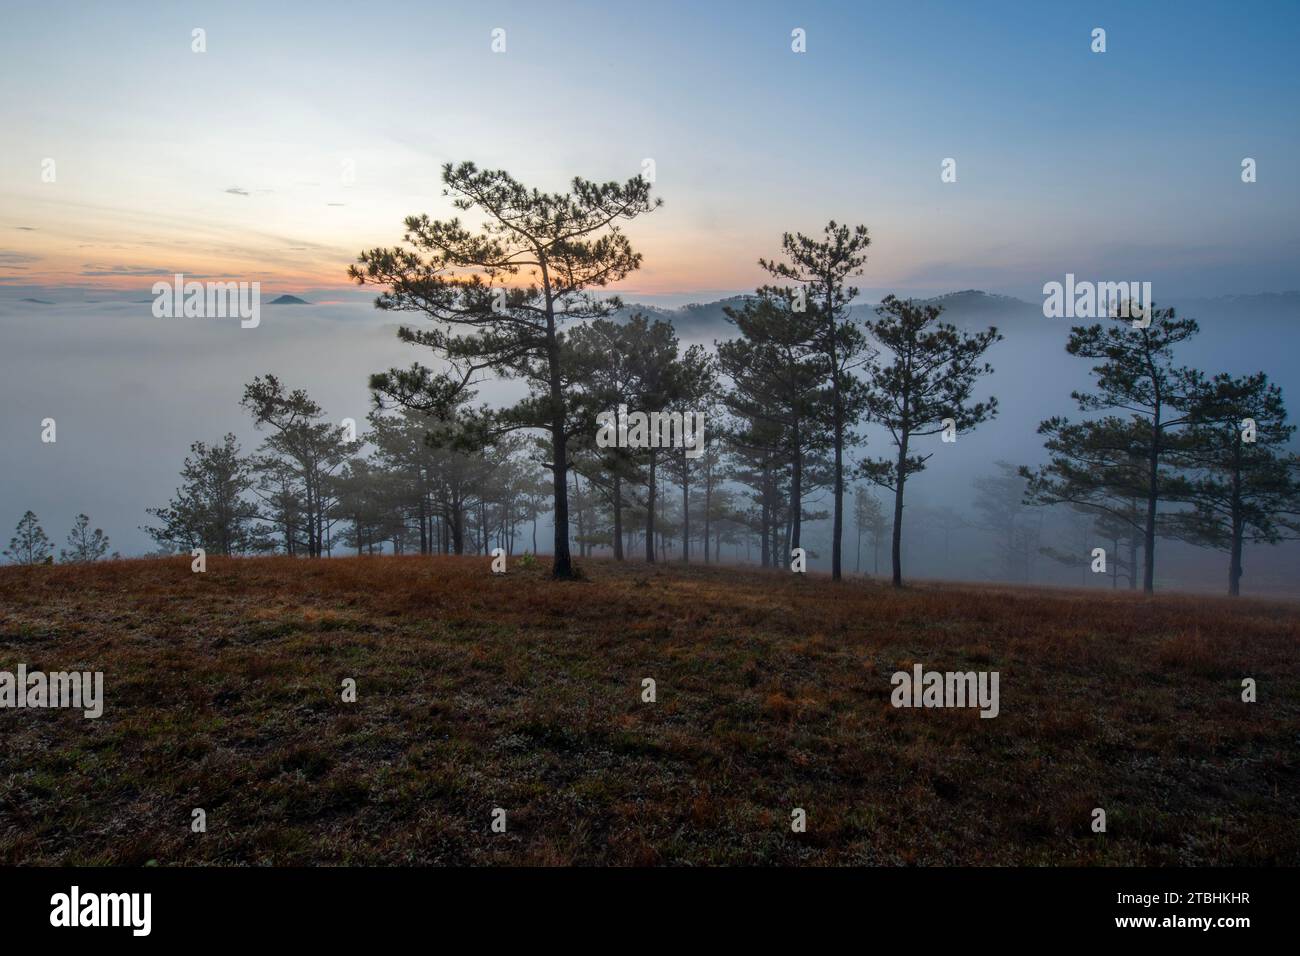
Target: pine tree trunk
<point x="618" y="518"/>
<point x="1234" y="565"/>
<point x="708" y="506"/>
<point x="686" y="510"/>
<point x="896" y="548"/>
<point x="838" y="408"/>
<point x="1238" y="531"/>
<point x="425" y="545"/>
<point x="1153" y="501"/>
<point x="577" y="498"/>
<point x="650" y="514"/>
<point x="796" y="494"/>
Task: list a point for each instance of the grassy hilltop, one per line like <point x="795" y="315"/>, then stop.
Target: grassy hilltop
<point x="223" y="691"/>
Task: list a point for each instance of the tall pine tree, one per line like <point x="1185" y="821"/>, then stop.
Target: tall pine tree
<point x="564" y="243"/>
<point x="823" y="266"/>
<point x="1239" y="477"/>
<point x="929" y="377"/>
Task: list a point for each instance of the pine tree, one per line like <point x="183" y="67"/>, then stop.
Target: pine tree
<point x="823" y="267"/>
<point x="1135" y="375"/>
<point x="778" y="372"/>
<point x="697" y="386"/>
<point x="660" y="387"/>
<point x="566" y="243"/>
<point x="210" y="510"/>
<point x="929" y="378"/>
<point x="1239" y="477"/>
<point x="299" y="458"/>
<point x="29" y="545"/>
<point x="1098" y="467"/>
<point x="758" y="457"/>
<point x="618" y="364"/>
<point x="84" y="546"/>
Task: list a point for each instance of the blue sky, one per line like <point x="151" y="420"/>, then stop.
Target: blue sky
<point x="1117" y="165"/>
<point x="230" y="163"/>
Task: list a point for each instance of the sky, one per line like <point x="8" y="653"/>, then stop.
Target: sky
<point x="306" y="133"/>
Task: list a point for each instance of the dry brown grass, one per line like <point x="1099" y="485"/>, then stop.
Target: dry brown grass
<point x="222" y="692"/>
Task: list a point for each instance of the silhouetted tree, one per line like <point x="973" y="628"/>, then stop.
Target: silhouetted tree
<point x="696" y="390"/>
<point x="29" y="545"/>
<point x="929" y="378"/>
<point x="84" y="546"/>
<point x="823" y="266"/>
<point x="364" y="497"/>
<point x="714" y="503"/>
<point x="1097" y="467"/>
<point x="657" y="383"/>
<point x="1136" y="375"/>
<point x="210" y="510"/>
<point x="758" y="456"/>
<point x="300" y="456"/>
<point x="567" y="243"/>
<point x="612" y="360"/>
<point x="778" y="371"/>
<point x="1239" y="478"/>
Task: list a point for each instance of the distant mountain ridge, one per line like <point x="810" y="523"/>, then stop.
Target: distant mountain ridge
<point x="972" y="302"/>
<point x="973" y="306"/>
<point x="968" y="305"/>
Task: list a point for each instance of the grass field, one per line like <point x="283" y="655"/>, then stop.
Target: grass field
<point x="223" y="691"/>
